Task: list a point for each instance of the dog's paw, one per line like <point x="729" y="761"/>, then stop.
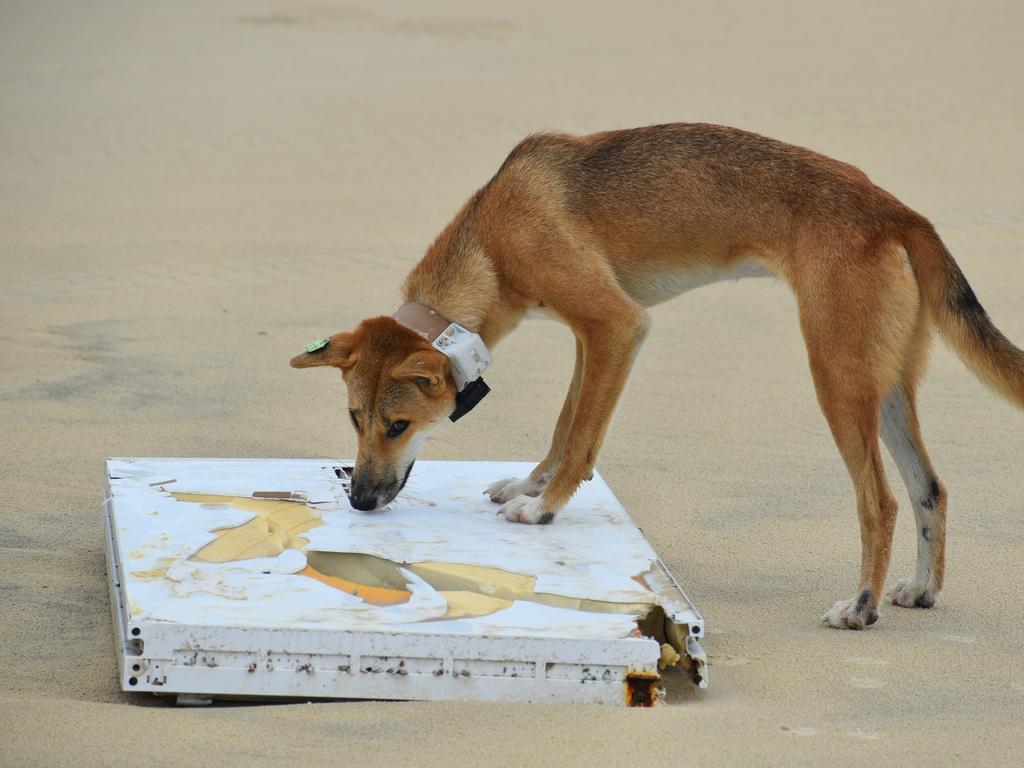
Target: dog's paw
<point x="852" y="614"/>
<point x="910" y="594"/>
<point x="507" y="489"/>
<point x="526" y="509"/>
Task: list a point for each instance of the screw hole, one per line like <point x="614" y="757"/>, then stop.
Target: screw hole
<point x="136" y="667"/>
<point x="133" y="681"/>
<point x="695" y="629"/>
<point x="136" y="631"/>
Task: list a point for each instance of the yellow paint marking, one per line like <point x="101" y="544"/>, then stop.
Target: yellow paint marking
<point x="470" y="590"/>
<point x="372" y="595"/>
<point x="467" y="605"/>
<point x="153" y="574"/>
<point x="276" y="527"/>
<point x="508" y="586"/>
<point x="492" y="582"/>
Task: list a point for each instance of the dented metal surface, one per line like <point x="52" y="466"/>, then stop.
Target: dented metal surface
<point x="257" y="578"/>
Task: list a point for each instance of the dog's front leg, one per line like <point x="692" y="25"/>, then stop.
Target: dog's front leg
<point x="532" y="485"/>
<point x="608" y="347"/>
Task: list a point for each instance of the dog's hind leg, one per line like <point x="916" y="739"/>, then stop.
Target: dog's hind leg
<point x="901" y="434"/>
<point x="852" y="416"/>
<point x="534" y="484"/>
<point x="857" y="313"/>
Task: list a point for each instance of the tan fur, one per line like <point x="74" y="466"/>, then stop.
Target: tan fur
<point x="593" y="229"/>
<point x="392" y="375"/>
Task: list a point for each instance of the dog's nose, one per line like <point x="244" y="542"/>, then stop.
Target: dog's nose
<point x="363" y="501"/>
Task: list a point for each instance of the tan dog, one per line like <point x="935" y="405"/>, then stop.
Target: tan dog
<point x="593" y="229"/>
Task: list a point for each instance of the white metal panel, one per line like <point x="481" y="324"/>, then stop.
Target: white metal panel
<point x="257" y="626"/>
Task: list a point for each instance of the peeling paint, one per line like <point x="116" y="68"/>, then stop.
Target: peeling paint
<point x="274" y="545"/>
<point x="280" y="520"/>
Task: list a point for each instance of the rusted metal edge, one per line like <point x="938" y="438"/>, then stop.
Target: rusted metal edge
<point x="642" y="689"/>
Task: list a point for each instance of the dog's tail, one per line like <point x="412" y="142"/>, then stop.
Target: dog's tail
<point x="961" y="320"/>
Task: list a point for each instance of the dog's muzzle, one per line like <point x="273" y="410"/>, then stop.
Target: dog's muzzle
<point x="368" y="498"/>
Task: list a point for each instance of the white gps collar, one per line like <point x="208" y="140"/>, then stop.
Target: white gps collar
<point x="465" y="350"/>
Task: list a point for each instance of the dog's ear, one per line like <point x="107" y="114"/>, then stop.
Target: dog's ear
<point x="428" y="368"/>
<point x="339" y="351"/>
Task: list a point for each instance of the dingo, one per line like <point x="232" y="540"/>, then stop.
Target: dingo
<point x="593" y="229"/>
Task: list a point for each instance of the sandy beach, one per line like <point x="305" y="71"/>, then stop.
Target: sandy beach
<point x="189" y="192"/>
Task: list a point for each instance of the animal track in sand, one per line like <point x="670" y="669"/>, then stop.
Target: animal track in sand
<point x="802" y="730"/>
<point x="865" y="682"/>
<point x="965" y="639"/>
<point x="866" y="735"/>
<point x="853" y="733"/>
<point x="866" y="661"/>
<point x="728" y="661"/>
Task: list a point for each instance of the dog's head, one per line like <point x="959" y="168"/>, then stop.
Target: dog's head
<point x="399" y="389"/>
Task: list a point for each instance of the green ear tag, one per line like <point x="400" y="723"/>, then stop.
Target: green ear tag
<point x="316" y="346"/>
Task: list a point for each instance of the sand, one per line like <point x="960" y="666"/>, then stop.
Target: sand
<point x="189" y="192"/>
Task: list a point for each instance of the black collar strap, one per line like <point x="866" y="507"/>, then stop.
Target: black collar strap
<point x="467" y="399"/>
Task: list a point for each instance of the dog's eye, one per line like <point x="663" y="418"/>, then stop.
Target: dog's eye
<point x="397" y="428"/>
